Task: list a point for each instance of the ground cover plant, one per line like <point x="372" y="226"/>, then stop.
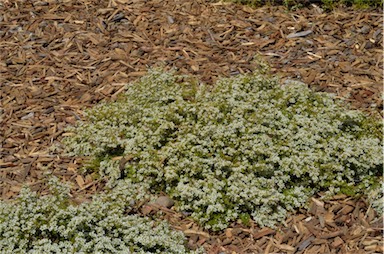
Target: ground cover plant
<point x="50" y="224"/>
<point x="248" y="148"/>
<point x="27" y="109"/>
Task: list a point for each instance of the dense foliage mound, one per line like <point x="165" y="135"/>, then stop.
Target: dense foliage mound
<point x="50" y="224"/>
<point x="249" y="148"/>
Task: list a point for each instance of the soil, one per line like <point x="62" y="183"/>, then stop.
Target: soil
<point x="58" y="58"/>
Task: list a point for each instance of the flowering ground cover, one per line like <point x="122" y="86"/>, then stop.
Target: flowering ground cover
<point x="64" y="56"/>
<point x="249" y="149"/>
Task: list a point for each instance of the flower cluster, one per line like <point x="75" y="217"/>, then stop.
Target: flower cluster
<point x="247" y="148"/>
<point x="50" y="224"/>
<point x="375" y="196"/>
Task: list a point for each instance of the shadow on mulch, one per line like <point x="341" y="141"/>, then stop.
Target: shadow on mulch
<point x="60" y="57"/>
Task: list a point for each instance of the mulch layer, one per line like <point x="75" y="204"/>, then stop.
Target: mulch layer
<point x="58" y="57"/>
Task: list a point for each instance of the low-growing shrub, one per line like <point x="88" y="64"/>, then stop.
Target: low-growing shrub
<point x="249" y="148"/>
<point x="50" y="224"/>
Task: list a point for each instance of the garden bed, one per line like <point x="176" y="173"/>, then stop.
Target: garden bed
<point x="62" y="57"/>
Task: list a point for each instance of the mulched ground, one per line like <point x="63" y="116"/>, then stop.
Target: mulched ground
<point x="59" y="57"/>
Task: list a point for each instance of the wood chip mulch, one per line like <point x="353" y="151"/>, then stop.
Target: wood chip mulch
<point x="338" y="225"/>
<point x="59" y="57"/>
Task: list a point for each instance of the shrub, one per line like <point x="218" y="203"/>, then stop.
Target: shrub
<point x="50" y="224"/>
<point x="248" y="148"/>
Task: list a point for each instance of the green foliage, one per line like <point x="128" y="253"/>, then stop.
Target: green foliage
<point x="245" y="219"/>
<point x="51" y="225"/>
<point x="248" y="146"/>
<point x="358" y="4"/>
<point x="375" y="196"/>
